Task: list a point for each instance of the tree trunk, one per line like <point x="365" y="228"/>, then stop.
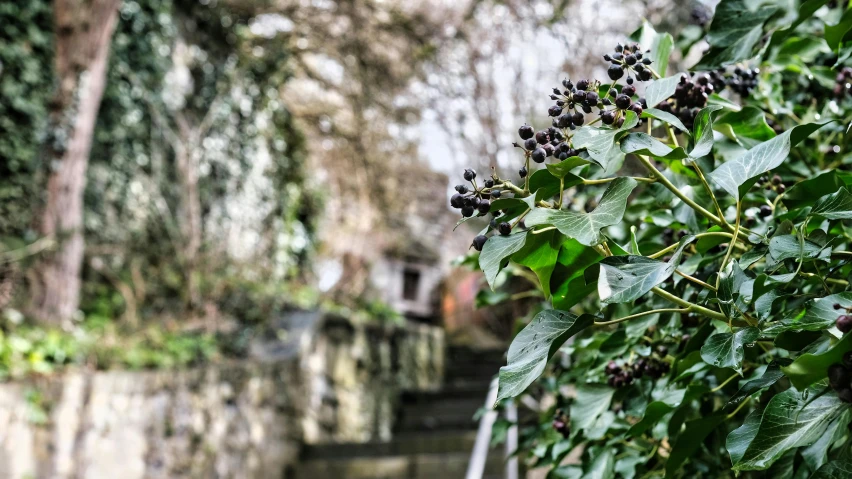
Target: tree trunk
<point x="83" y="30"/>
<point x="186" y="151"/>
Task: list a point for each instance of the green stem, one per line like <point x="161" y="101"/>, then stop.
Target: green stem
<point x="686" y="304"/>
<point x="829" y="280"/>
<point x="731" y="245"/>
<point x="511" y="187"/>
<point x="724" y="383"/>
<point x="645" y="313"/>
<point x="670" y="248"/>
<point x="608" y="180"/>
<point x="549" y="228"/>
<point x="671" y="187"/>
<point x="672" y="136"/>
<point x="694" y="280"/>
<point x="709" y="190"/>
<point x="742" y="404"/>
<point x="561" y="192"/>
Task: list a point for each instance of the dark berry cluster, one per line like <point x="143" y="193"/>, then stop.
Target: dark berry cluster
<point x="692" y="92"/>
<point x="470" y="200"/>
<point x="844" y="321"/>
<point x="743" y="81"/>
<point x="572" y="102"/>
<point x="840" y="378"/>
<point x="626" y="59"/>
<point x="843" y="83"/>
<point x="546" y="143"/>
<point x="650" y="366"/>
<point x="689" y="97"/>
<point x="560" y="423"/>
<point x="474" y="198"/>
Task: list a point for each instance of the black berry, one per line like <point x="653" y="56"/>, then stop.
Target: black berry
<point x="469" y="174"/>
<point x="479" y="242"/>
<point x="526" y="132"/>
<point x="504" y="228"/>
<point x="622" y="102"/>
<point x="615" y="72"/>
<point x="844" y="323"/>
<point x="539" y="155"/>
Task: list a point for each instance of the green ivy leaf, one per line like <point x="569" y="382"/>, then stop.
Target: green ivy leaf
<point x="602" y="143"/>
<point x="841" y="469"/>
<point x="788" y="246"/>
<point x="734" y="33"/>
<point x="666" y="402"/>
<point x="564" y="167"/>
<point x="644" y="144"/>
<point x="602" y="466"/>
<point x="702" y="131"/>
<point x="742" y="171"/>
<point x="585" y="227"/>
<point x="816" y="454"/>
<point x="836" y="206"/>
<point x="730" y="282"/>
<point x="836" y="34"/>
<point x="769" y="377"/>
<point x="810" y="368"/>
<point x="495" y="254"/>
<point x="818" y="315"/>
<point x="806" y="10"/>
<point x="690" y="440"/>
<point x="740" y="438"/>
<point x="747" y="127"/>
<point x="539" y="254"/>
<point x="659" y="90"/>
<point x="666" y="117"/>
<point x="660" y="44"/>
<point x="568" y="283"/>
<point x="626" y="278"/>
<point x="806" y="192"/>
<point x="591" y="401"/>
<point x="790" y="420"/>
<point x="533" y="347"/>
<point x="726" y="350"/>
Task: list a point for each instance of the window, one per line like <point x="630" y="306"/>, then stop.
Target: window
<point x="410" y="284"/>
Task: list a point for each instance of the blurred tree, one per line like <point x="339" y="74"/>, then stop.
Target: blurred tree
<point x="197" y="182"/>
<point x="83" y="32"/>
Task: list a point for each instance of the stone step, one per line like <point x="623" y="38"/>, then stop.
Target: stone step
<point x="423" y="442"/>
<point x="415" y="466"/>
<point x="430" y="421"/>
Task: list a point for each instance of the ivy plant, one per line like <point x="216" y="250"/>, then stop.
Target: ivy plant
<point x="688" y="234"/>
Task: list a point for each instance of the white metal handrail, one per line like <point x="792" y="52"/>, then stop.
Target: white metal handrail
<point x="479" y="455"/>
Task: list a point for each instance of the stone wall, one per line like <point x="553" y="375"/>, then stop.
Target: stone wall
<point x="244" y="419"/>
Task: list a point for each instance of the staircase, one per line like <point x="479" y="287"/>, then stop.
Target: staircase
<point x="434" y="436"/>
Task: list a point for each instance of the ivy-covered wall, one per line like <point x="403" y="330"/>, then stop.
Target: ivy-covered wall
<point x="26" y="84"/>
<point x="178" y="70"/>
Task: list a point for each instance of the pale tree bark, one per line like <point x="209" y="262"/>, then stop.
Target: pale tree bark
<point x="83" y="30"/>
<point x="187" y="150"/>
